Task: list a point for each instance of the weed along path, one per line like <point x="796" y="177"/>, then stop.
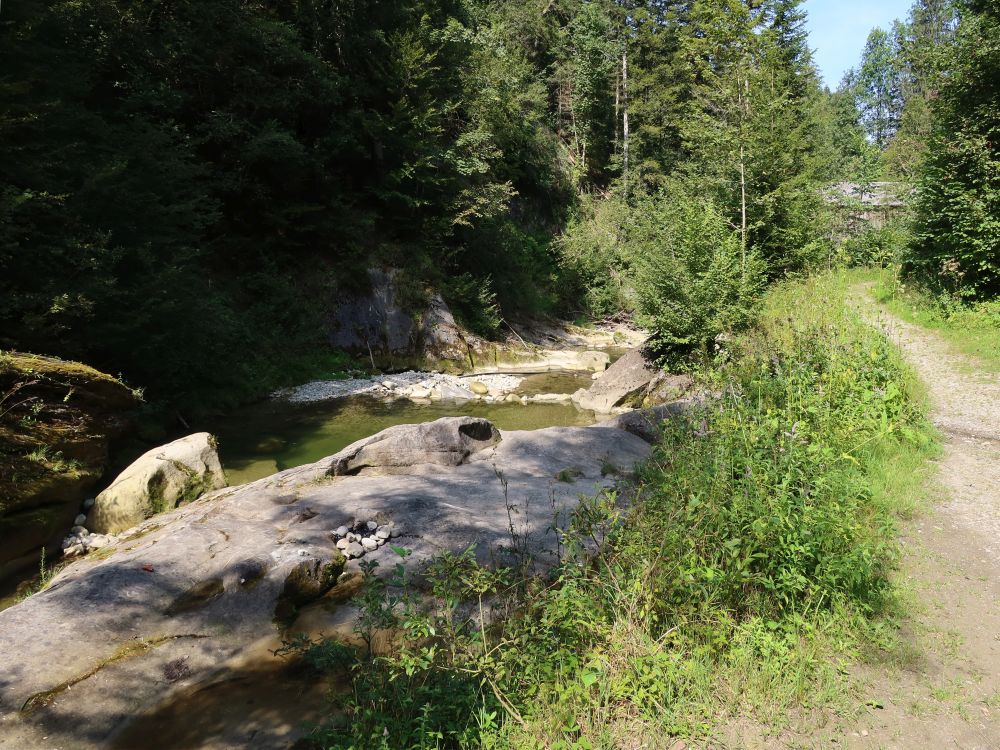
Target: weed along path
<point x="941" y="686"/>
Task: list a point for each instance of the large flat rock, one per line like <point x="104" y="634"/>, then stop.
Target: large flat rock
<point x="187" y="594"/>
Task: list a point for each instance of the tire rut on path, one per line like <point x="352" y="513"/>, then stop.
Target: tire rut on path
<point x="946" y="694"/>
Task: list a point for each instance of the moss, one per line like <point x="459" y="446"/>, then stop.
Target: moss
<point x="568" y="475"/>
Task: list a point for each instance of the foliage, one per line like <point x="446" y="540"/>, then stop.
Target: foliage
<point x="876" y="246"/>
<point x="956" y="248"/>
<point x="693" y="278"/>
<point x="226" y="171"/>
<point x="876" y="87"/>
<point x="759" y="544"/>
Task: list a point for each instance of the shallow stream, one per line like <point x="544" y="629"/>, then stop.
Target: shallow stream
<point x="259" y="440"/>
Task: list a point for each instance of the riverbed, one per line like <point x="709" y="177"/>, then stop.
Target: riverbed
<point x="259" y="440"/>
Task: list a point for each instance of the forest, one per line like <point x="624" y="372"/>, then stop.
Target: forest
<point x="793" y="548"/>
<point x="187" y="188"/>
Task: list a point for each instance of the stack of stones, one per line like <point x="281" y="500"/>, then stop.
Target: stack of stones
<point x="81" y="541"/>
<point x="363" y="537"/>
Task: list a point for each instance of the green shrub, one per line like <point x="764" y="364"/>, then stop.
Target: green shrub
<point x="592" y="248"/>
<point x="693" y="278"/>
<point x="878" y="247"/>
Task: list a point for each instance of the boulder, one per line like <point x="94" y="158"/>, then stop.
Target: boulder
<point x="596" y="361"/>
<point x="480" y="389"/>
<point x="632" y="381"/>
<point x="448" y="391"/>
<point x="445" y="442"/>
<point x="647" y="423"/>
<point x="157" y="481"/>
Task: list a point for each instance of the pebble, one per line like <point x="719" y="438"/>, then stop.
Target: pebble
<point x="80" y="520"/>
<point x="97" y="541"/>
<point x="352" y="537"/>
<point x="371" y="525"/>
<point x="342" y="544"/>
<point x="353" y="550"/>
<point x="78" y="531"/>
<point x="73" y="551"/>
<point x="383" y="533"/>
<point x="406" y="384"/>
<point x="369" y="543"/>
<point x="89" y="503"/>
<point x="341" y="531"/>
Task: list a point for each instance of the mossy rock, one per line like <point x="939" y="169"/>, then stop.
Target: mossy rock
<point x="55" y="437"/>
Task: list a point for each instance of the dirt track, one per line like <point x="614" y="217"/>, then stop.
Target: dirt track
<point x="946" y="693"/>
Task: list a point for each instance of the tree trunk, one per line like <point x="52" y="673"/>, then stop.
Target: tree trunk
<point x="625" y="118"/>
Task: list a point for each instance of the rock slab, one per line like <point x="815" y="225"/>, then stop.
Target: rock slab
<point x="445" y="442"/>
<point x="205" y="582"/>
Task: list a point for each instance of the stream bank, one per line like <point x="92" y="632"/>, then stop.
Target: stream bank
<point x="161" y="613"/>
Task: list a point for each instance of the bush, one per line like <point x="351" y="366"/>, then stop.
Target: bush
<point x="877" y="247"/>
<point x="693" y="278"/>
<point x="592" y="248"/>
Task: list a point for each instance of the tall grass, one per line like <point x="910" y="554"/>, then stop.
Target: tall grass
<point x="757" y="549"/>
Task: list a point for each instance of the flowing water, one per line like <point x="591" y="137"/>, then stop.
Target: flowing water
<point x="262" y="439"/>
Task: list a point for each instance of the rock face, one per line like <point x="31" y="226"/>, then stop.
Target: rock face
<point x="57" y="422"/>
<point x="157" y="481"/>
<point x="632" y="381"/>
<point x="380" y="323"/>
<point x="444" y="442"/>
<point x="213" y="581"/>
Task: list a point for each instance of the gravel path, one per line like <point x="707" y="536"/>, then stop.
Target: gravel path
<point x="945" y="692"/>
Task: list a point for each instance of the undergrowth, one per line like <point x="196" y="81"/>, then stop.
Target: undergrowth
<point x="754" y="557"/>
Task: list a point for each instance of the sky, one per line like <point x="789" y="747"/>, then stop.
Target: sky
<point x="838" y="29"/>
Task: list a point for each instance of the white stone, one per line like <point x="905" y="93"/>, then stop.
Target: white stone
<point x="369" y="543"/>
<point x="97" y="541"/>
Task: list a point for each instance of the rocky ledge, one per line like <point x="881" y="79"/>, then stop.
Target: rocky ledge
<point x="208" y="582"/>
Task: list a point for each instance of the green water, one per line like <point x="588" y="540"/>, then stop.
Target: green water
<point x="260" y="440"/>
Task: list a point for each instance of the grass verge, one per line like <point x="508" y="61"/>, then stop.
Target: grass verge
<point x="753" y="562"/>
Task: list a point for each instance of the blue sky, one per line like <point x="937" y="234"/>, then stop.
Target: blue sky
<point x="838" y="29"/>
